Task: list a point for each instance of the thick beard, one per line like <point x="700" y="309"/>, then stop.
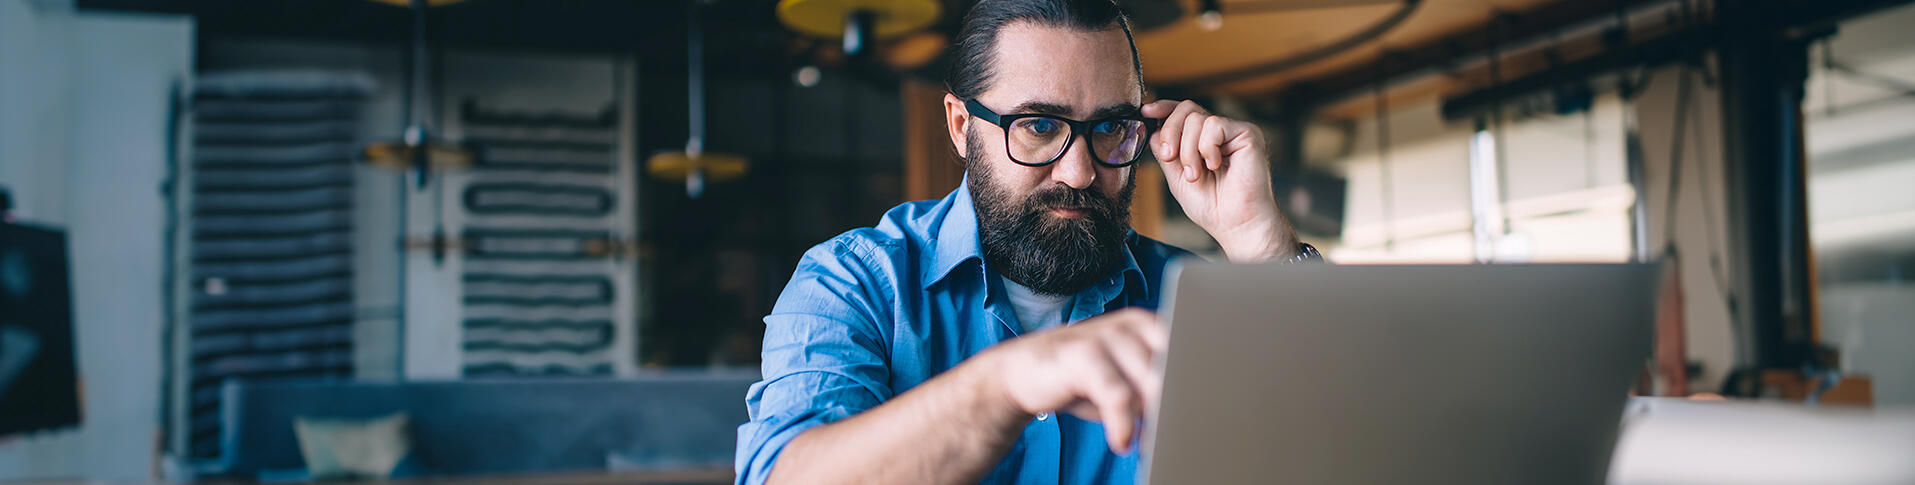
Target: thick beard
<point x="1052" y="255"/>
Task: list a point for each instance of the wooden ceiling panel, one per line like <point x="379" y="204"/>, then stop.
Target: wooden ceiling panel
<point x="1183" y="52"/>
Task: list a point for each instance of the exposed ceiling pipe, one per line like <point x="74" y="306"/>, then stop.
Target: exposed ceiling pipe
<point x="1467" y="48"/>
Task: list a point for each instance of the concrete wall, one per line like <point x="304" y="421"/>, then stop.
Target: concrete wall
<point x="1861" y="144"/>
<point x="1569" y="196"/>
<point x="83" y="111"/>
<point x="33" y="44"/>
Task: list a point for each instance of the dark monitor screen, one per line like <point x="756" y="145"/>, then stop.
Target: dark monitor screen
<point x="39" y="386"/>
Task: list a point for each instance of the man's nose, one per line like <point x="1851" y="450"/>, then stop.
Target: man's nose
<point x="1076" y="169"/>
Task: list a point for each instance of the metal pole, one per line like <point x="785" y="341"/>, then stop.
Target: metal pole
<point x="1763" y="69"/>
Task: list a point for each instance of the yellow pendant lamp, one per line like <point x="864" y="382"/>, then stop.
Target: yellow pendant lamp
<point x="418" y="150"/>
<point x="694" y="165"/>
<point x="400" y="155"/>
<point x="858" y="22"/>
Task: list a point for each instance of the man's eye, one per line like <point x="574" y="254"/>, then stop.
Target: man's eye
<point x="1042" y="126"/>
<point x="1107" y="128"/>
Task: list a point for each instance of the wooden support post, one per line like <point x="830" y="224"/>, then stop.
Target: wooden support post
<point x="931" y="166"/>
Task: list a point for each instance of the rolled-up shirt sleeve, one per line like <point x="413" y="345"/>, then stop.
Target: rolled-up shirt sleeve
<point x="824" y="351"/>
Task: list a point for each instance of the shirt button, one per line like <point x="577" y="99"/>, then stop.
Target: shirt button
<point x="1043" y="416"/>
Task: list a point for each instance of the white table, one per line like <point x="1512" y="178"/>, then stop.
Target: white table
<point x="1670" y="441"/>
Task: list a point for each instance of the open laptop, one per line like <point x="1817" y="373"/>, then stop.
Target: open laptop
<point x="1484" y="374"/>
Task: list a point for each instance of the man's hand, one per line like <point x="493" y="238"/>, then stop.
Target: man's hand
<point x="1219" y="171"/>
<point x="1098" y="369"/>
<point x="954" y="427"/>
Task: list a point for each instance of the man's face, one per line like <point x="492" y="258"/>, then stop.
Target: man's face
<point x="1057" y="228"/>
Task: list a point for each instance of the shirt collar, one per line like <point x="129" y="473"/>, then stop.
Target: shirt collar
<point x="1133" y="275"/>
<point x="954" y="236"/>
<point x="955" y="240"/>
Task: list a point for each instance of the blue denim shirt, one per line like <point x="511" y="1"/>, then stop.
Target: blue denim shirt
<point x="878" y="310"/>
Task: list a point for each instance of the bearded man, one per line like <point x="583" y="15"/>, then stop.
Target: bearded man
<point x="1005" y="333"/>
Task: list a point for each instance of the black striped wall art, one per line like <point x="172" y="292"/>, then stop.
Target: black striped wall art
<point x="271" y="233"/>
<point x="538" y="299"/>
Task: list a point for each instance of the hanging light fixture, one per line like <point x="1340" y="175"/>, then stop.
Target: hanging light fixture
<point x="418" y="150"/>
<point x="1210" y="15"/>
<point x="859" y="23"/>
<point x="1381" y="92"/>
<point x="915" y="50"/>
<point x="694" y="165"/>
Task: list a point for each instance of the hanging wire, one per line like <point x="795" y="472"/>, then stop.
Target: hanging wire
<point x="1708" y="198"/>
<point x="418" y="134"/>
<point x="1589" y="144"/>
<point x="433" y="80"/>
<point x="694" y="97"/>
<point x="1828" y="78"/>
<point x="1680" y="132"/>
<point x="695" y="75"/>
<point x="1685" y="108"/>
<point x="1496" y="118"/>
<point x="1383" y="154"/>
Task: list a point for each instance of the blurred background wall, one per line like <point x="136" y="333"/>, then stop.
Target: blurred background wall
<point x="1861" y="149"/>
<point x="86" y="96"/>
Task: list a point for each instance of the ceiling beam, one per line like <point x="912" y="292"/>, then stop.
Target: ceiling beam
<point x="1669" y="43"/>
<point x="1468" y="45"/>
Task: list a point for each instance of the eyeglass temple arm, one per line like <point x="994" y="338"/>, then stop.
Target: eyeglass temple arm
<point x="978" y="110"/>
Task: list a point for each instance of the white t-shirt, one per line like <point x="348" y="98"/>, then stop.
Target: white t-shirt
<point x="1035" y="311"/>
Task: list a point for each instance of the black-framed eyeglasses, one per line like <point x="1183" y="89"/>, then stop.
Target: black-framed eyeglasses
<point x="1036" y="140"/>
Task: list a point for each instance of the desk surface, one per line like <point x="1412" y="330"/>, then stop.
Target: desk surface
<point x="1704" y="442"/>
<point x="713" y="476"/>
<point x="1663" y="441"/>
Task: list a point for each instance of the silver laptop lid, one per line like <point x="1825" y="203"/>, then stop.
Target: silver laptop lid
<point x="1396" y="374"/>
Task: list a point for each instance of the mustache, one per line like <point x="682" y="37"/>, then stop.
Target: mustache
<point x="1063" y="197"/>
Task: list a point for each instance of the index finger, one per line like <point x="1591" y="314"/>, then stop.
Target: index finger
<point x="1164" y="143"/>
<point x="1159" y="108"/>
<point x="1148" y="326"/>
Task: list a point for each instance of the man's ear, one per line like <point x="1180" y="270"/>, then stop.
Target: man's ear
<point x="954" y="118"/>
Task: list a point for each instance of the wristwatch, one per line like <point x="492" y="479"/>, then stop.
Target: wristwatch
<point x="1305" y="254"/>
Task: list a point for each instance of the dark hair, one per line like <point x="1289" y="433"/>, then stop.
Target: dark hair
<point x="977" y="37"/>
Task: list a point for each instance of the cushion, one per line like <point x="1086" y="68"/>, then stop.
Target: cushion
<point x="352" y="448"/>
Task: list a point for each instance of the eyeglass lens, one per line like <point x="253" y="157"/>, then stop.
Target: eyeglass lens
<point x="1039" y="139"/>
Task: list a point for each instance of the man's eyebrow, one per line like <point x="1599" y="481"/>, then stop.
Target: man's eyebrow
<point x="1041" y="107"/>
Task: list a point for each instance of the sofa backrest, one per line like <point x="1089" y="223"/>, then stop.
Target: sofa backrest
<point x="656" y="421"/>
